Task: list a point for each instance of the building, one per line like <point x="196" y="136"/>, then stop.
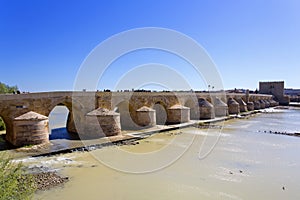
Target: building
<point x="275" y="88"/>
<point x="294" y="94"/>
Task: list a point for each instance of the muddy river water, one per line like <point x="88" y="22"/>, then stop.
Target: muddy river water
<point x="243" y="161"/>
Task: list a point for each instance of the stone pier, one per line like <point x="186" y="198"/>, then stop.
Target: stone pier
<point x="233" y="106"/>
<point x="221" y="108"/>
<point x="206" y="109"/>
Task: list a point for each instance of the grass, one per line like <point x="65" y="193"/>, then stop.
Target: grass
<point x="15" y="183"/>
<point x="28" y="146"/>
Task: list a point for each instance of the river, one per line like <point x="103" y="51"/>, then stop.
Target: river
<point x="247" y="162"/>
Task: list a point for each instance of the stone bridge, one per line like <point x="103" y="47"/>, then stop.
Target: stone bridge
<point x="99" y="114"/>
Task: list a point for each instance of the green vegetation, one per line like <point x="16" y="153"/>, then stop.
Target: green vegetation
<point x="14" y="182"/>
<point x="2" y="125"/>
<point x="4" y="89"/>
<point x="28" y="146"/>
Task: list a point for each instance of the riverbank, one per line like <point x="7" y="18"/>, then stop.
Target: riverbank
<point x="128" y="137"/>
<point x="69" y="144"/>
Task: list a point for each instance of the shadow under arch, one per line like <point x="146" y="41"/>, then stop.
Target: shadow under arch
<point x="126" y="115"/>
<point x="161" y="113"/>
<point x="2" y="124"/>
<point x="65" y="127"/>
<point x="4" y="134"/>
<point x="194" y="108"/>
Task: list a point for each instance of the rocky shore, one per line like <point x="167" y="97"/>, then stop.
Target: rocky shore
<point x="45" y="177"/>
<point x="47" y="180"/>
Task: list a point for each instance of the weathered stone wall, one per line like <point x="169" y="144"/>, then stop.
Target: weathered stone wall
<point x="178" y="114"/>
<point x="101" y="123"/>
<point x="206" y="109"/>
<point x="146" y="117"/>
<point x="30" y="128"/>
<point x="243" y="105"/>
<point x="275" y="88"/>
<point x="233" y="106"/>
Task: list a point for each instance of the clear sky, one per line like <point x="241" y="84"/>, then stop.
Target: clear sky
<point x="44" y="42"/>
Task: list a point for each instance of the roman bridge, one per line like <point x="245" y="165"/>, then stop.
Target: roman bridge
<point x="99" y="114"/>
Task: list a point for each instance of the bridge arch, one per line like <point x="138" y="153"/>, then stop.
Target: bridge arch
<point x="161" y="112"/>
<point x="194" y="108"/>
<point x="2" y="124"/>
<point x="58" y="122"/>
<point x="126" y="111"/>
<point x="74" y="113"/>
<point x="8" y="126"/>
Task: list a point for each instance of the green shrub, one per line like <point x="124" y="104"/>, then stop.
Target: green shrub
<point x="14" y="182"/>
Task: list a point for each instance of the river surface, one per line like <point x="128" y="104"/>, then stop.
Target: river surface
<point x="240" y="161"/>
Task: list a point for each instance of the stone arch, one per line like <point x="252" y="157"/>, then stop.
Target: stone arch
<point x="8" y="126"/>
<point x="126" y="114"/>
<point x="58" y="122"/>
<point x="160" y="112"/>
<point x="2" y="125"/>
<point x="54" y="111"/>
<point x="194" y="108"/>
<point x="75" y="116"/>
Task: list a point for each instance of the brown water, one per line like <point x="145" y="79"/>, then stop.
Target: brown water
<point x="246" y="163"/>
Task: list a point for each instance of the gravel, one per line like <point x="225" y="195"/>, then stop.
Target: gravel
<point x="47" y="180"/>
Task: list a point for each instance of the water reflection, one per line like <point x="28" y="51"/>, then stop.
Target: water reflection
<point x="62" y="133"/>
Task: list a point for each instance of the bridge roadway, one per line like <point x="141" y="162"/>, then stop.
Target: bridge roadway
<point x="99" y="114"/>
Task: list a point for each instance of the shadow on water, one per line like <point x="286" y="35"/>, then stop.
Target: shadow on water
<point x="4" y="145"/>
<point x="62" y="133"/>
<point x="56" y="134"/>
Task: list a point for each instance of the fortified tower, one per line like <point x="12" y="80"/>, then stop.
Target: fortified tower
<point x="275" y="88"/>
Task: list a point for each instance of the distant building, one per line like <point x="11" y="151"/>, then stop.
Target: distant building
<point x="292" y="92"/>
<point x="275" y="88"/>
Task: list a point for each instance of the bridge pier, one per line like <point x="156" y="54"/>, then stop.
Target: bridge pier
<point x="262" y="104"/>
<point x="207" y="110"/>
<point x="221" y="108"/>
<point x="256" y="105"/>
<point x="243" y="105"/>
<point x="101" y="123"/>
<point x="29" y="128"/>
<point x="146" y="117"/>
<point x="267" y="103"/>
<point x="233" y="106"/>
<point x="273" y="103"/>
<point x="178" y="114"/>
<point x="250" y="106"/>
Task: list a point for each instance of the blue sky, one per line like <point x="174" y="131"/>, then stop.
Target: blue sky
<point x="43" y="43"/>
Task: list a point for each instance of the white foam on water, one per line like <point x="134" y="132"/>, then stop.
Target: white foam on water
<point x="224" y="195"/>
<point x="53" y="163"/>
<point x="208" y="133"/>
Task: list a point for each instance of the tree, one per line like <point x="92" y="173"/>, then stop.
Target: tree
<point x="4" y="89"/>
